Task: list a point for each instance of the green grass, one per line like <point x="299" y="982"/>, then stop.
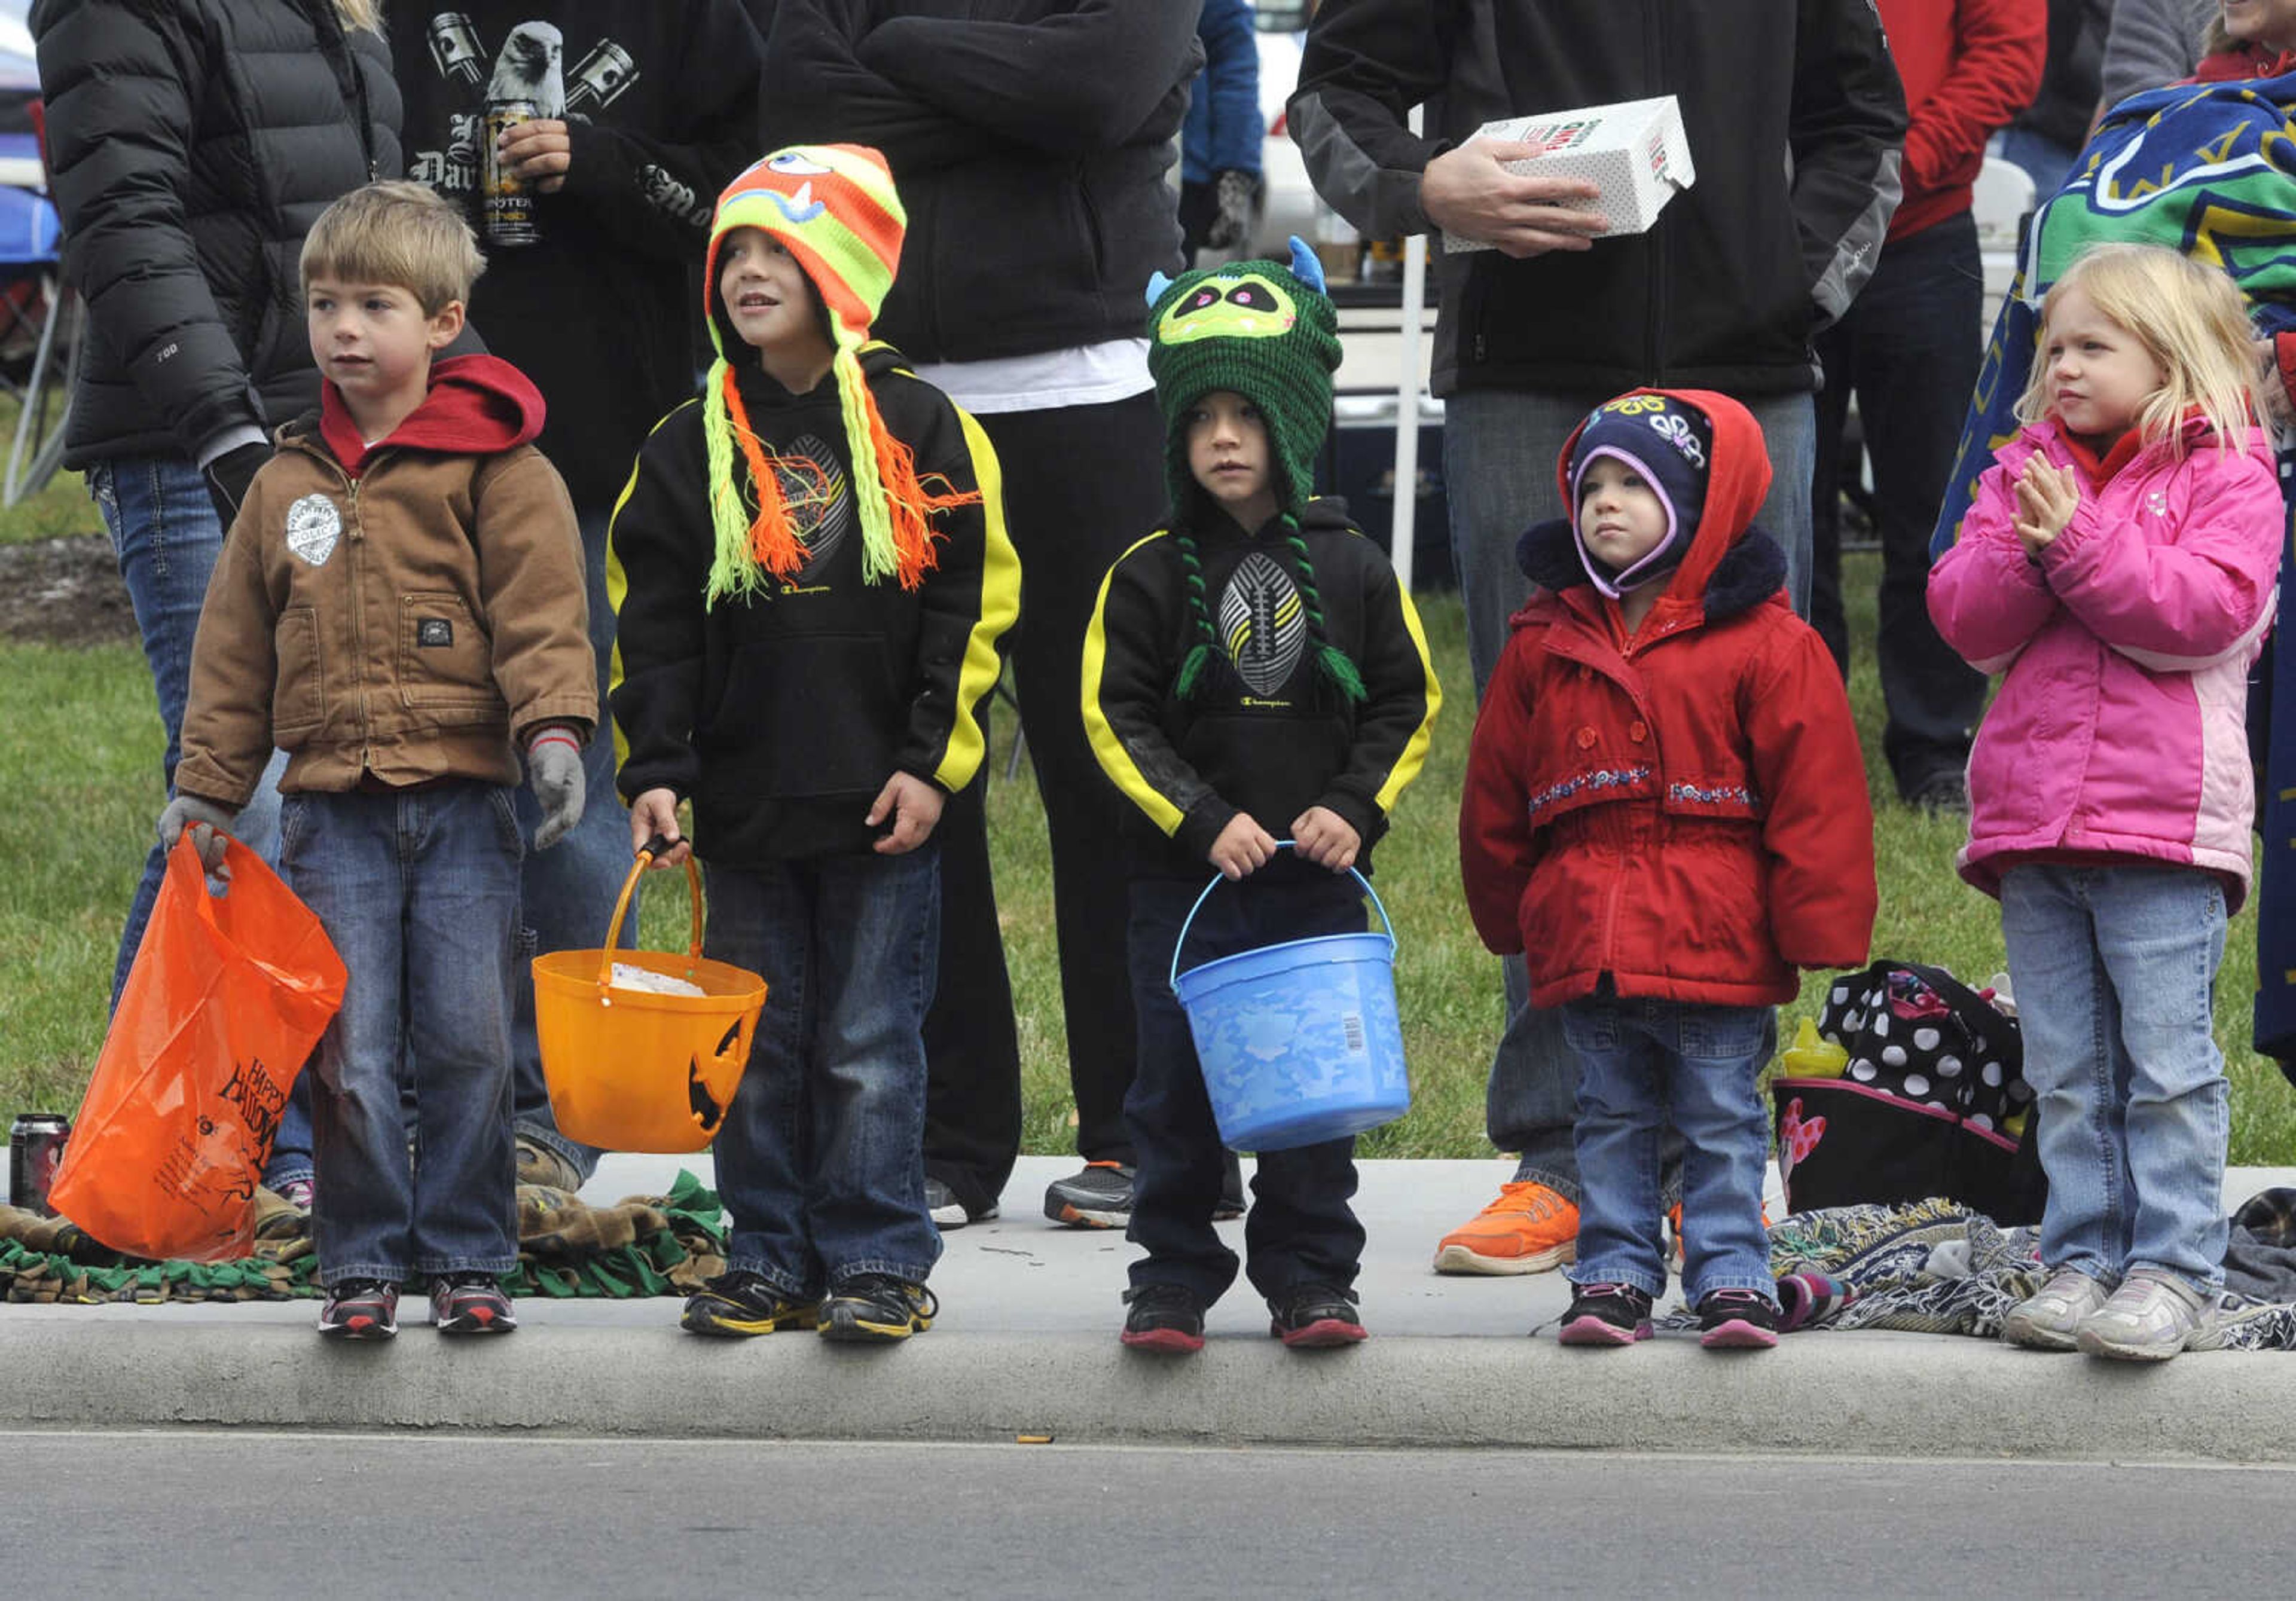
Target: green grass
<point x="79" y="761"/>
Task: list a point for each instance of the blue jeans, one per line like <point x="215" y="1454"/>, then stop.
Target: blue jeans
<point x="1301" y="1229"/>
<point x="1909" y="349"/>
<point x="1642" y="1060"/>
<point x="1500" y="451"/>
<point x="821" y="1158"/>
<point x="568" y="892"/>
<point x="419" y="891"/>
<point x="165" y="533"/>
<point x="2115" y="975"/>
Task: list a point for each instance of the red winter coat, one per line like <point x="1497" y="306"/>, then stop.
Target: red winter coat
<point x="1687" y="813"/>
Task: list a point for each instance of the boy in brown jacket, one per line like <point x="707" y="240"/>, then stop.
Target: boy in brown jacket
<point x="399" y="606"/>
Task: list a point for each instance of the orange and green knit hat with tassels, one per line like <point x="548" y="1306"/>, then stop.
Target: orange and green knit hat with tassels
<point x="834" y="208"/>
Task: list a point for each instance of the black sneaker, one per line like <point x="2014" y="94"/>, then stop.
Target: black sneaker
<point x="1737" y="1320"/>
<point x="1164" y="1318"/>
<point x="471" y="1304"/>
<point x="1311" y="1316"/>
<point x="741" y="1303"/>
<point x="1606" y="1314"/>
<point x="360" y="1308"/>
<point x="877" y="1307"/>
<point x="1944" y="791"/>
<point x="1099" y="1197"/>
<point x="1231" y="1201"/>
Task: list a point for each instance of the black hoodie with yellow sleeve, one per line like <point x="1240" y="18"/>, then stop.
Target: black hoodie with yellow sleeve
<point x="781" y="715"/>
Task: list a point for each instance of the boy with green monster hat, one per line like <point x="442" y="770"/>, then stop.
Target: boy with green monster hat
<point x="1253" y="674"/>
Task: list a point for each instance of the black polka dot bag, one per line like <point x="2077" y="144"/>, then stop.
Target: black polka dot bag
<point x="1927" y="1098"/>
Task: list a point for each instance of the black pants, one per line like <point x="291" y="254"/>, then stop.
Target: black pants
<point x="1909" y="348"/>
<point x="1081" y="484"/>
<point x="1301" y="1229"/>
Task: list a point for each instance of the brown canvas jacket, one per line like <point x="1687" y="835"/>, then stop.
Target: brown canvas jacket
<point x="416" y="622"/>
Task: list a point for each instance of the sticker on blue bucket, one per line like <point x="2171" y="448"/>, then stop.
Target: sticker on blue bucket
<point x="1299" y="1042"/>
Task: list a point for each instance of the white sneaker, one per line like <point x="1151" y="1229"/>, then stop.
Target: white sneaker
<point x="2050" y="1320"/>
<point x="2150" y="1319"/>
<point x="947" y="1211"/>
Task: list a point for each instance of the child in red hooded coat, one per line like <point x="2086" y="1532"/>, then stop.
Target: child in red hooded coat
<point x="1665" y="809"/>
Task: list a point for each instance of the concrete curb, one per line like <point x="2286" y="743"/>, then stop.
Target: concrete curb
<point x="1026" y="1345"/>
<point x="1864" y="1394"/>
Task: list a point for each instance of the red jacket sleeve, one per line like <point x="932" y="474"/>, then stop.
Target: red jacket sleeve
<point x="1995" y="72"/>
<point x="1818" y="828"/>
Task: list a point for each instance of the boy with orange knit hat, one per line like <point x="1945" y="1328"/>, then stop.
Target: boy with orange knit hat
<point x="810" y="575"/>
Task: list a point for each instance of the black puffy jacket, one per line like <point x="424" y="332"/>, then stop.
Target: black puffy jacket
<point x="1029" y="139"/>
<point x="192" y="143"/>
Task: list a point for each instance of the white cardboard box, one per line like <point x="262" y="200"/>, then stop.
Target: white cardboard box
<point x="1635" y="152"/>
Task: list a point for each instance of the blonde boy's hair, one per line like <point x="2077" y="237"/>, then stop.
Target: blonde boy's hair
<point x="360" y="14"/>
<point x="2189" y="317"/>
<point x="402" y="234"/>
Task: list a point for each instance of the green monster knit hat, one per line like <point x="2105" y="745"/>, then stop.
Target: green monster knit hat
<point x="1268" y="334"/>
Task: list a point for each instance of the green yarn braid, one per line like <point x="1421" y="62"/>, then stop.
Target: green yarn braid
<point x="733" y="569"/>
<point x="1192" y="677"/>
<point x="1329" y="660"/>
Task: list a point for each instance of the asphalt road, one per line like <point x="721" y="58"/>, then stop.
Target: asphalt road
<point x="248" y="1515"/>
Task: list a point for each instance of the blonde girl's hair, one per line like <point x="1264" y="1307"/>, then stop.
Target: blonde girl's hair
<point x="2188" y="316"/>
<point x="2216" y="38"/>
<point x="360" y="14"/>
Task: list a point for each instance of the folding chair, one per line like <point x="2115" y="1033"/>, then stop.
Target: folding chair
<point x="30" y="235"/>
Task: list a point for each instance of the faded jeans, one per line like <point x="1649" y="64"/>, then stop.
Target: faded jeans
<point x="2115" y="973"/>
<point x="1644" y="1064"/>
<point x="821" y="1158"/>
<point x="568" y="892"/>
<point x="419" y="891"/>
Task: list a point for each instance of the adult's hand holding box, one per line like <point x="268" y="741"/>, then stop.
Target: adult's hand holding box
<point x="1635" y="152"/>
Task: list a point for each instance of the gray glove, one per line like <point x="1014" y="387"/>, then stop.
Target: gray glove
<point x="208" y="822"/>
<point x="553" y="771"/>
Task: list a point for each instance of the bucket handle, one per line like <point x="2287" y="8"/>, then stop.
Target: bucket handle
<point x="652" y="848"/>
<point x="1173" y="977"/>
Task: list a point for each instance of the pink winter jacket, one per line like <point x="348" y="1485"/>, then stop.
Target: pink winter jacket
<point x="2119" y="728"/>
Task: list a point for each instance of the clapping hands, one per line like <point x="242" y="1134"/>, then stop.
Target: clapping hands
<point x="2047" y="497"/>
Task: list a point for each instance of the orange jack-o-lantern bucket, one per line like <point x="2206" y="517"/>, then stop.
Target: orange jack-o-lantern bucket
<point x="632" y="1069"/>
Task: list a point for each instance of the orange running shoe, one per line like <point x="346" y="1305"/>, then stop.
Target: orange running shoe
<point x="1527" y="1229"/>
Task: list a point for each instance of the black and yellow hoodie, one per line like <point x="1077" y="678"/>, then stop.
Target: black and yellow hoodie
<point x="781" y="714"/>
<point x="1267" y="732"/>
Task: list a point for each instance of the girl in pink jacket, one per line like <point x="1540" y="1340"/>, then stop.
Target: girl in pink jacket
<point x="2118" y="569"/>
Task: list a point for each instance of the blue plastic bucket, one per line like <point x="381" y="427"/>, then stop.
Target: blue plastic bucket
<point x="1299" y="1042"/>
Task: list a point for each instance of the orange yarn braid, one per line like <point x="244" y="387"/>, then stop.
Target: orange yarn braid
<point x="772" y="540"/>
<point x="909" y="500"/>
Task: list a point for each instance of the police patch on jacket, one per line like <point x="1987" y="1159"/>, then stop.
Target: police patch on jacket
<point x="313" y="527"/>
<point x="1263" y="626"/>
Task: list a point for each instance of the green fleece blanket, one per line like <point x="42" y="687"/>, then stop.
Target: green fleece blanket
<point x="643" y="1245"/>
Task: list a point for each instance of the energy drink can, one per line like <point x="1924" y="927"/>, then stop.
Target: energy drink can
<point x="508" y="204"/>
<point x="36" y="1145"/>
